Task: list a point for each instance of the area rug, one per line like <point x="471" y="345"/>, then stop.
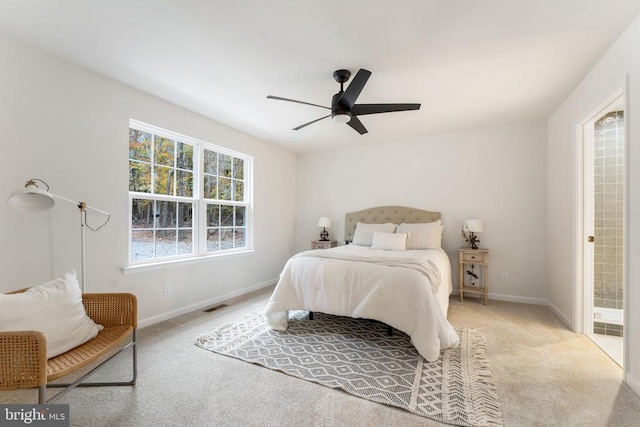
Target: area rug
<point x="357" y="356"/>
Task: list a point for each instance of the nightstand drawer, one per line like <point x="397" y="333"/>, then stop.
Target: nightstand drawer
<point x="474" y="257"/>
<point x="323" y="244"/>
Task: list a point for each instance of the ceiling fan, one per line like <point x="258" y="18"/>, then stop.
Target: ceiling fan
<point x="343" y="105"/>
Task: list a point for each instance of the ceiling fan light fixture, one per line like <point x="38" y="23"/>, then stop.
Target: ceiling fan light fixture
<point x="341" y="118"/>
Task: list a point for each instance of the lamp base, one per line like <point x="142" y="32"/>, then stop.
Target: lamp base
<point x="473" y="241"/>
<point x="324" y="235"/>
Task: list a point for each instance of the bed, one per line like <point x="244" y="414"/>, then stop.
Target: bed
<point x="392" y="269"/>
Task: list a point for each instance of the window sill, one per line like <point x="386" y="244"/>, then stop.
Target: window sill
<point x="139" y="268"/>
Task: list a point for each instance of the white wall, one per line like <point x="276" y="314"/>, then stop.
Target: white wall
<point x="620" y="61"/>
<point x="69" y="127"/>
<point x="496" y="174"/>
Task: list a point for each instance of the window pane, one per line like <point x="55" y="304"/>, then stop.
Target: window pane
<point x="139" y="145"/>
<point x="238" y="193"/>
<point x="224" y="189"/>
<point x="210" y="162"/>
<point x="142" y="213"/>
<point x="139" y="177"/>
<point x="185" y="215"/>
<point x="240" y="238"/>
<point x="239" y="216"/>
<point x="164" y="151"/>
<point x="226" y="238"/>
<point x="238" y="168"/>
<point x="213" y="215"/>
<point x="141" y="244"/>
<point x="185" y="242"/>
<point x="224" y="169"/>
<point x="163" y="180"/>
<point x="213" y="240"/>
<point x="165" y="243"/>
<point x="184" y="183"/>
<point x="184" y="158"/>
<point x="210" y="187"/>
<point x="165" y="214"/>
<point x="226" y="219"/>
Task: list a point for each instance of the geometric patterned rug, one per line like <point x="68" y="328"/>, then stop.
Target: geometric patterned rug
<point x="357" y="356"/>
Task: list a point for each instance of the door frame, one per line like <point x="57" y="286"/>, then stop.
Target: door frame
<point x="583" y="289"/>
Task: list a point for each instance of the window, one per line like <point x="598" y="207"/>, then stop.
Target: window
<point x="186" y="197"/>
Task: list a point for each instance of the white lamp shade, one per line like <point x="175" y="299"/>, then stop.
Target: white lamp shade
<point x="324" y="222"/>
<point x="474" y="225"/>
<point x="31" y="199"/>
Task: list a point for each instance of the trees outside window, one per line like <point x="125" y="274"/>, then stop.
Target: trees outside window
<point x="186" y="197"/>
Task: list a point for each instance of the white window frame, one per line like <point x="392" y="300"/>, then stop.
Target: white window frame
<point x="199" y="212"/>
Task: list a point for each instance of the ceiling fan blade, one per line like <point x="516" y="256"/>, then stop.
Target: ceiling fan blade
<point x="311" y="122"/>
<point x="363" y="109"/>
<point x="350" y="95"/>
<point x="356" y="124"/>
<point x="279" y="98"/>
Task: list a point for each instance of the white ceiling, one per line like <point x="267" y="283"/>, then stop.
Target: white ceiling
<point x="470" y="63"/>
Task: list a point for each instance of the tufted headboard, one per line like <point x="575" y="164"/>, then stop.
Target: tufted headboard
<point x="383" y="214"/>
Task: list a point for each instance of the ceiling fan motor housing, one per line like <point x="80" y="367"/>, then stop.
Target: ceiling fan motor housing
<point x="338" y="109"/>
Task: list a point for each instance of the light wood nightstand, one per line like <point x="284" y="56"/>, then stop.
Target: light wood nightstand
<point x="468" y="260"/>
<point x="323" y="244"/>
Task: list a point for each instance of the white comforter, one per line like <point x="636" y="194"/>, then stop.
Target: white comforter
<point x="407" y="290"/>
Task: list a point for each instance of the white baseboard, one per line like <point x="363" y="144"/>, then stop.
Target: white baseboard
<point x="514" y="298"/>
<point x="633" y="383"/>
<point x="509" y="298"/>
<point x="203" y="304"/>
<point x="560" y="315"/>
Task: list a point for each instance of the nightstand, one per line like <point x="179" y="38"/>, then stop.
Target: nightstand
<point x="473" y="280"/>
<point x="323" y="244"/>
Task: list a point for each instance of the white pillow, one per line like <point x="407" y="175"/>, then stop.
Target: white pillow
<point x="54" y="308"/>
<point x="363" y="235"/>
<point x="389" y="241"/>
<point x="423" y="235"/>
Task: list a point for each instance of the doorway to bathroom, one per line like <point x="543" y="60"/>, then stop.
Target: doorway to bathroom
<point x="603" y="138"/>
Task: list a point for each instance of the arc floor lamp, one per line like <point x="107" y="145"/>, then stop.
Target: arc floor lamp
<point x="32" y="198"/>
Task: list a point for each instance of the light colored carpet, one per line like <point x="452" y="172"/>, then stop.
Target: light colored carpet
<point x="359" y="357"/>
<point x="545" y="375"/>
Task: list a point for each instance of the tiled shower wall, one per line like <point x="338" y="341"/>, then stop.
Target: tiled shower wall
<point x="608" y="215"/>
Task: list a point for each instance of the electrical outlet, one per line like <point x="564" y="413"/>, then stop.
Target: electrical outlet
<point x="166" y="290"/>
<point x="504" y="276"/>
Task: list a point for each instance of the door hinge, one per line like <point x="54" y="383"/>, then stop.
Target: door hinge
<point x="591" y="239"/>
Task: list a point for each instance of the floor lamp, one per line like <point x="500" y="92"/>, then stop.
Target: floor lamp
<point x="31" y="198"/>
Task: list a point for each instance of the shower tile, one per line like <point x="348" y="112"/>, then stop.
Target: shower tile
<point x="610" y="286"/>
<point x="609" y="303"/>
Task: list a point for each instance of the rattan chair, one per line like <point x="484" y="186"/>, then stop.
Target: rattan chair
<point x="23" y="354"/>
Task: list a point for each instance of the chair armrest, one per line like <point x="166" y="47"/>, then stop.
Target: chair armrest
<point x="112" y="309"/>
<point x="23" y="359"/>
